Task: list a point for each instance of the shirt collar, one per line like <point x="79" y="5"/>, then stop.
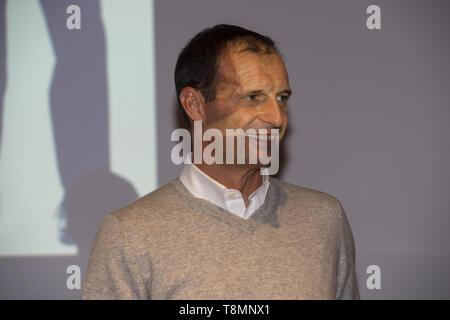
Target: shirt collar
<point x="202" y="186"/>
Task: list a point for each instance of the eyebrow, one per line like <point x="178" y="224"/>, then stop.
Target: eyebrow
<point x="287" y="91"/>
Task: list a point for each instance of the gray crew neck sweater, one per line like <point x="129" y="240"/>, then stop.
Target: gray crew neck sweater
<point x="171" y="245"/>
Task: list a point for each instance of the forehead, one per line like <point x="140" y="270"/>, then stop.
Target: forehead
<point x="244" y="69"/>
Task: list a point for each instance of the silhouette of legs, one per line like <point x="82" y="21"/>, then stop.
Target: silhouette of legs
<point x="79" y="104"/>
<point x="2" y="62"/>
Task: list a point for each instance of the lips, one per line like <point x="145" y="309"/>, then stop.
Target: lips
<point x="265" y="137"/>
<point x="259" y="141"/>
<point x="262" y="137"/>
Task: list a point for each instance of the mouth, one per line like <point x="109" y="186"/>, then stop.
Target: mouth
<point x="261" y="141"/>
<point x="262" y="137"/>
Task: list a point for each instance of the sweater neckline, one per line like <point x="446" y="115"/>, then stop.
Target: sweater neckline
<point x="267" y="213"/>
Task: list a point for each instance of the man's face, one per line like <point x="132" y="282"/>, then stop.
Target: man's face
<point x="251" y="93"/>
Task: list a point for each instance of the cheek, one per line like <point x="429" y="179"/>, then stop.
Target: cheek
<point x="235" y="120"/>
<point x="245" y="118"/>
<point x="233" y="117"/>
<point x="219" y="113"/>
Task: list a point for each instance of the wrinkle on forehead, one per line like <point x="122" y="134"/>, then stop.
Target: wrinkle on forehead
<point x="226" y="72"/>
<point x="232" y="73"/>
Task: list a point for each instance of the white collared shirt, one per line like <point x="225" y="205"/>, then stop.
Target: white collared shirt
<point x="202" y="186"/>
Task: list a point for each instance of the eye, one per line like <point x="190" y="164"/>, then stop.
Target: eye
<point x="252" y="97"/>
<point x="283" y="98"/>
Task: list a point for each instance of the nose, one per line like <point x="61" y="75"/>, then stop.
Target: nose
<point x="272" y="113"/>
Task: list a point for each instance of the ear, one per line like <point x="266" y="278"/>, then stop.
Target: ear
<point x="193" y="103"/>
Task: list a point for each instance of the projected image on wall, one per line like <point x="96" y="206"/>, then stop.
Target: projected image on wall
<point x="77" y="120"/>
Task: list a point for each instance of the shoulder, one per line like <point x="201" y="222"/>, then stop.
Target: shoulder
<point x="155" y="207"/>
<point x="308" y="195"/>
<point x="317" y="209"/>
<point x="130" y="228"/>
<point x="310" y="199"/>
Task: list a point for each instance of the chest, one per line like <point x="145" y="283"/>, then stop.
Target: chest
<point x="232" y="266"/>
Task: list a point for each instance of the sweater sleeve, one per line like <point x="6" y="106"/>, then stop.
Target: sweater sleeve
<point x="347" y="285"/>
<point x="112" y="271"/>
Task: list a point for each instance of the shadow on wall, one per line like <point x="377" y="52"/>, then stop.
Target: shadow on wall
<point x="78" y="94"/>
<point x="79" y="110"/>
<point x="2" y="63"/>
<point x="87" y="202"/>
<point x="89" y="199"/>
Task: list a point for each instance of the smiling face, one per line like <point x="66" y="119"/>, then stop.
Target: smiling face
<point x="252" y="90"/>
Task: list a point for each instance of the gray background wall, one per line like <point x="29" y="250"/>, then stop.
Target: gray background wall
<point x="369" y="120"/>
<point x="369" y="124"/>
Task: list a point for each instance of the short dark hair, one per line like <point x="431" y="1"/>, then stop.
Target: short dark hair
<point x="197" y="62"/>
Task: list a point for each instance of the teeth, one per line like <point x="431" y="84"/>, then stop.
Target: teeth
<point x="259" y="136"/>
<point x="266" y="137"/>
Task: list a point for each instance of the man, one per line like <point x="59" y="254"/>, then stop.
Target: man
<point x="224" y="231"/>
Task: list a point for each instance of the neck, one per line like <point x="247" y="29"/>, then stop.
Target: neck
<point x="246" y="179"/>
